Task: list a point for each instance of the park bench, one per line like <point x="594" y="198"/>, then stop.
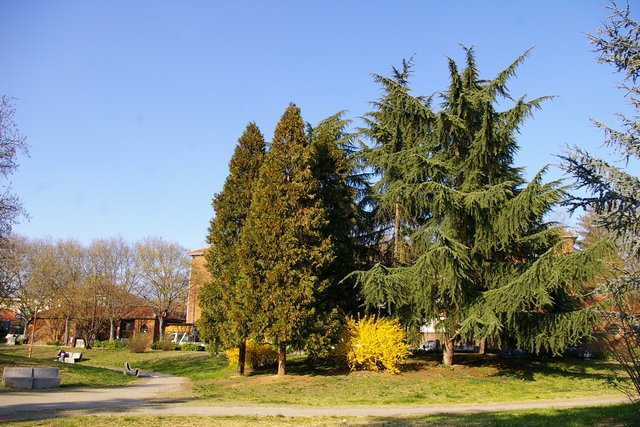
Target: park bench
<point x="30" y="378"/>
<point x="128" y="370"/>
<point x="73" y="357"/>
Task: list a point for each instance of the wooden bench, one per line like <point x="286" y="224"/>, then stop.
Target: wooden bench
<point x="30" y="378"/>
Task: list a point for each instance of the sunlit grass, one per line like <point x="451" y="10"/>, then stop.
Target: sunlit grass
<point x="608" y="416"/>
<point x="423" y="381"/>
<point x="71" y="375"/>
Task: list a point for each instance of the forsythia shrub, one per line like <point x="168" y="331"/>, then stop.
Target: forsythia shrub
<point x="371" y="344"/>
<point x="257" y="355"/>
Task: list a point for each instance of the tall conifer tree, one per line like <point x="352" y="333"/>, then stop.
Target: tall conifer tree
<point x="226" y="300"/>
<point x="283" y="247"/>
<point x="398" y="123"/>
<point x="486" y="263"/>
<point x="333" y="165"/>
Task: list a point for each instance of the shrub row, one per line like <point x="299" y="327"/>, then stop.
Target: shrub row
<point x="171" y="346"/>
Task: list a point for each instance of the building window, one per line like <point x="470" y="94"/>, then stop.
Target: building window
<point x="614" y="329"/>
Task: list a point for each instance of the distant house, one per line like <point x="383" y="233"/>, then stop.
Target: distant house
<point x="9" y="322"/>
<point x="141" y="319"/>
<point x="50" y="325"/>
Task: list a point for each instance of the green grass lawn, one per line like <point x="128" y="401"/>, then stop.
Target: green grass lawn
<point x="608" y="416"/>
<point x="423" y="381"/>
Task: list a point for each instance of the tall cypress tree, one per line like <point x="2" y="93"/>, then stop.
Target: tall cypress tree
<point x="283" y="248"/>
<point x="333" y="165"/>
<point x="227" y="305"/>
<point x="486" y="263"/>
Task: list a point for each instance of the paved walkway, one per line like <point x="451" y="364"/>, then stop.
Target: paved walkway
<point x="161" y="394"/>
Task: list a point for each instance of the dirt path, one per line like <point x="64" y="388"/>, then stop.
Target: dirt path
<point x="161" y="394"/>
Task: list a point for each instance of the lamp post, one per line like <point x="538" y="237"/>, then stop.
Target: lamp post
<point x="33" y="330"/>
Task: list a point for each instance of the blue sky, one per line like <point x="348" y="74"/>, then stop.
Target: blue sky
<point x="132" y="109"/>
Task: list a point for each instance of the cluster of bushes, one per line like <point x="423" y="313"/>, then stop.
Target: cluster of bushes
<point x="257" y="355"/>
<point x="171" y="346"/>
<point x="56" y="343"/>
<point x="190" y="346"/>
<point x="165" y="346"/>
<point x="367" y="344"/>
<point x="140" y="342"/>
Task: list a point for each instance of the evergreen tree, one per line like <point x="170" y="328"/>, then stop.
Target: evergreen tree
<point x="398" y="123"/>
<point x="486" y="264"/>
<point x="283" y="248"/>
<point x="613" y="194"/>
<point x="227" y="304"/>
<point x="333" y="168"/>
<point x="332" y="163"/>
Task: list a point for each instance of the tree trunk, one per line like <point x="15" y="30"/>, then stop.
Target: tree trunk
<point x="282" y="359"/>
<point x="482" y="346"/>
<point x="242" y="351"/>
<point x="112" y="330"/>
<point x="447" y="352"/>
<point x="396" y="234"/>
<point x="161" y="327"/>
<point x="66" y="331"/>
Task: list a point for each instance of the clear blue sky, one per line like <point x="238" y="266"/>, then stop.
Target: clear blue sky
<point x="132" y="109"/>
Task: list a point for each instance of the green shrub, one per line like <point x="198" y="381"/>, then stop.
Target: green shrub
<point x="191" y="346"/>
<point x="372" y="344"/>
<point x="164" y="346"/>
<point x="21" y="340"/>
<point x="56" y="343"/>
<point x="138" y="343"/>
<point x="257" y="355"/>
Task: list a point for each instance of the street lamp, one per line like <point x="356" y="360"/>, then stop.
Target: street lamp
<point x="33" y="330"/>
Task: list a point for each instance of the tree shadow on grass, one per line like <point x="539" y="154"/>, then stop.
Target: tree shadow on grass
<point x="603" y="416"/>
<point x="525" y="368"/>
<point x="300" y="368"/>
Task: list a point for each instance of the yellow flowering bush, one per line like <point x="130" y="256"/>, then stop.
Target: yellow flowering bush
<point x="257" y="355"/>
<point x="372" y="344"/>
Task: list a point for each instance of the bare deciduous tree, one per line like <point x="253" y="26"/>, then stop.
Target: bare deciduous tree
<point x="11" y="143"/>
<point x="164" y="276"/>
<point x="60" y="266"/>
<point x="112" y="269"/>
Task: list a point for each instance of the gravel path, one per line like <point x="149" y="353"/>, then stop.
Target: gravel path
<point x="161" y="394"/>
